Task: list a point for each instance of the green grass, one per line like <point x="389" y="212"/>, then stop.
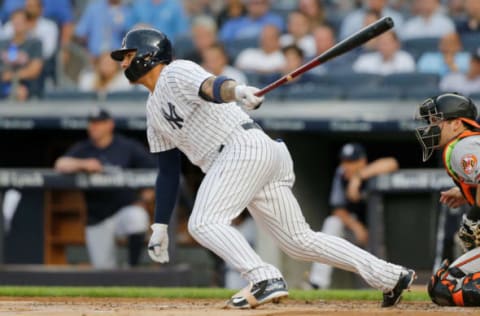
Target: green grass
<point x="212" y="293"/>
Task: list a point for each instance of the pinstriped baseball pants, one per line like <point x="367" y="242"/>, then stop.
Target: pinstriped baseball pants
<point x="256" y="172"/>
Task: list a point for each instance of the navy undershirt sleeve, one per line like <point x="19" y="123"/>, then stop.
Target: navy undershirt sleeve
<point x="166" y="187"/>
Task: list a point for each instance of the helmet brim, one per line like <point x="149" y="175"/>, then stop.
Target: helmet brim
<point x="119" y="54"/>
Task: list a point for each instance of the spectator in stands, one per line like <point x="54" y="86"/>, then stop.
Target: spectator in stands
<point x="268" y="58"/>
<point x="314" y="11"/>
<point x="370" y="17"/>
<point x="165" y="15"/>
<point x="387" y="59"/>
<point x="106" y="76"/>
<point x="110" y="213"/>
<point x="59" y="11"/>
<point x="39" y="27"/>
<point x="468" y="83"/>
<point x="471" y="23"/>
<point x="324" y="36"/>
<point x="348" y="204"/>
<point x="204" y="35"/>
<point x="215" y="60"/>
<point x="294" y="58"/>
<point x="251" y="25"/>
<point x="456" y="9"/>
<point x="233" y="9"/>
<point x="20" y="61"/>
<point x="102" y="25"/>
<point x="449" y="58"/>
<point x="354" y="21"/>
<point x="299" y="33"/>
<point x="429" y="21"/>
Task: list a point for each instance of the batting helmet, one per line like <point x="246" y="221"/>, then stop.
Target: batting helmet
<point x="151" y="48"/>
<point x="446" y="106"/>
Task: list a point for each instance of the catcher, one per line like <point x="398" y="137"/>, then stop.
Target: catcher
<point x="451" y="125"/>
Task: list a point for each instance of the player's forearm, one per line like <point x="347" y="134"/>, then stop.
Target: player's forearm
<point x="226" y="90"/>
<point x="167" y="184"/>
<point x="69" y="165"/>
<point x="378" y="167"/>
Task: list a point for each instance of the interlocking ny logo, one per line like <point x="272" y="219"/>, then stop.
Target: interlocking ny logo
<point x="172" y="117"/>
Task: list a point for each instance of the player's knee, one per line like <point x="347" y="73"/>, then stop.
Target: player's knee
<point x="301" y="245"/>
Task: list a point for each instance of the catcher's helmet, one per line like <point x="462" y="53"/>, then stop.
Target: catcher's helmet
<point x="151" y="48"/>
<point x="446" y="106"/>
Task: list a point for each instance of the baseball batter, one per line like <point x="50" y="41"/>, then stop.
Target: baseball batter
<point x="195" y="112"/>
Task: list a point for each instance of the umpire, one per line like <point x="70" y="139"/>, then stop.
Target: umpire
<point x="111" y="212"/>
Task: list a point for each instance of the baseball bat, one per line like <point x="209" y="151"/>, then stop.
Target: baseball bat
<point x="354" y="40"/>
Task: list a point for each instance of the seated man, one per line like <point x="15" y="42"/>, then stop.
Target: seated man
<point x="110" y="213"/>
<point x="348" y="204"/>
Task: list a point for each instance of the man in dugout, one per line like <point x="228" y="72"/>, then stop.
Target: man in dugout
<point x="116" y="212"/>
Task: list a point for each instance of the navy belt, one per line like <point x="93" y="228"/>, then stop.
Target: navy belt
<point x="250" y="125"/>
<point x="245" y="126"/>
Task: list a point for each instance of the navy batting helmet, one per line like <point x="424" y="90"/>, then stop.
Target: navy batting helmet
<point x="446" y="106"/>
<point x="151" y="48"/>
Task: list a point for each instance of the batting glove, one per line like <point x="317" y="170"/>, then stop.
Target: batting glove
<point x="158" y="244"/>
<point x="246" y="96"/>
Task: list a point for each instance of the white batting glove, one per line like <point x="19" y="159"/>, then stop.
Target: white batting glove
<point x="246" y="96"/>
<point x="158" y="244"/>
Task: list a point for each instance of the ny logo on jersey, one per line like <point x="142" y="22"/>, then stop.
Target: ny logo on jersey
<point x="172" y="117"/>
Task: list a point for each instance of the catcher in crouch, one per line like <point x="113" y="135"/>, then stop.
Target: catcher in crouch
<point x="451" y="125"/>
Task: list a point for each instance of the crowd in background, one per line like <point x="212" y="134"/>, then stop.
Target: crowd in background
<point x="55" y="45"/>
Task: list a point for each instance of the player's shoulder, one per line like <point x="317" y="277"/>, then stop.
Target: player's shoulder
<point x="465" y="158"/>
<point x="182" y="64"/>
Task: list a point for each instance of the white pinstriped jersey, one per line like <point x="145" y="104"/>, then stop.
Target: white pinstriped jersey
<point x="178" y="117"/>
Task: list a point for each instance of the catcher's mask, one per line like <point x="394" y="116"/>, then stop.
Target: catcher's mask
<point x="435" y="110"/>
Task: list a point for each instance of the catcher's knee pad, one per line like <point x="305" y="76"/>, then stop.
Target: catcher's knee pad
<point x="452" y="287"/>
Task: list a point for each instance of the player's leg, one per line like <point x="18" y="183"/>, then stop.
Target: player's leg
<point x="242" y="168"/>
<point x="132" y="222"/>
<point x="229" y="185"/>
<point x="100" y="239"/>
<point x="276" y="209"/>
<point x="321" y="274"/>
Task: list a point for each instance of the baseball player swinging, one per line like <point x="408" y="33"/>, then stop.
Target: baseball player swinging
<point x="451" y="125"/>
<point x="193" y="111"/>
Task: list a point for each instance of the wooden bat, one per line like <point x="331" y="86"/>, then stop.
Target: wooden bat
<point x="357" y="39"/>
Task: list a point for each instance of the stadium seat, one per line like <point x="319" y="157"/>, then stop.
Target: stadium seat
<point x="419" y="93"/>
<point x="476" y="98"/>
<point x="352" y="79"/>
<point x="376" y="93"/>
<point x="418" y="46"/>
<point x="407" y="80"/>
<point x="135" y="95"/>
<point x="310" y="92"/>
<point x="182" y="46"/>
<point x="470" y="42"/>
<point x="69" y="95"/>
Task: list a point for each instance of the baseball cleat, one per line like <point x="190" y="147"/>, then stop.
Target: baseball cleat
<point x="271" y="290"/>
<point x="393" y="297"/>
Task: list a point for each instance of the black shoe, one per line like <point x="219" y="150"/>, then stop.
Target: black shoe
<point x="393" y="297"/>
<point x="259" y="293"/>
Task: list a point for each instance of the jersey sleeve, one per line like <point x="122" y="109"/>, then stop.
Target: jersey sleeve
<point x="158" y="142"/>
<point x="464" y="159"/>
<point x="187" y="77"/>
<point x="76" y="151"/>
